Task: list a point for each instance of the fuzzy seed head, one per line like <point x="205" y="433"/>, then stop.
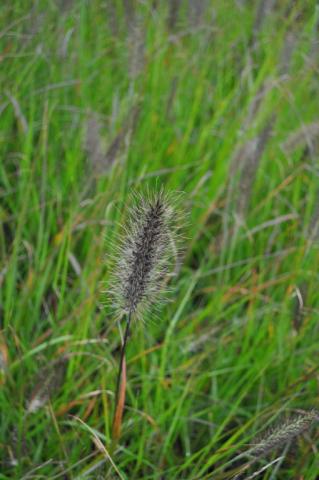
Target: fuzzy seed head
<point x="144" y="256"/>
<point x="284" y="433"/>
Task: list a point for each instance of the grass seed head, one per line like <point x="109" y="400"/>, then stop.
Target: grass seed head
<point x="144" y="256"/>
<point x="285" y="433"/>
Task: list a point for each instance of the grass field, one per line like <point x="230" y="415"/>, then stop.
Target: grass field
<point x="219" y="100"/>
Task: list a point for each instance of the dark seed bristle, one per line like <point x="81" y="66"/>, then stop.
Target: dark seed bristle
<point x="144" y="255"/>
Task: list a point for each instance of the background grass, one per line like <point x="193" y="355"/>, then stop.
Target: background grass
<point x="216" y="99"/>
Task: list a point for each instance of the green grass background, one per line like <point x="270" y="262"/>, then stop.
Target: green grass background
<point x="218" y="99"/>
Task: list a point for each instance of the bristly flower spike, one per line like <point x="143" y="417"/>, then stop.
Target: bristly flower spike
<point x="142" y="264"/>
<point x="278" y="438"/>
<point x="144" y="255"/>
<point x="285" y="433"/>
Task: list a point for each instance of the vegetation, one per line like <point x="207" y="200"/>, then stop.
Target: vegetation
<point x="218" y="100"/>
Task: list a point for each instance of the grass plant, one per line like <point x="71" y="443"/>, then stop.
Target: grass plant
<point x="215" y="99"/>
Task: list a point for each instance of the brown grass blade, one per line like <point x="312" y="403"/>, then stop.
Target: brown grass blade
<point x="116" y="429"/>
